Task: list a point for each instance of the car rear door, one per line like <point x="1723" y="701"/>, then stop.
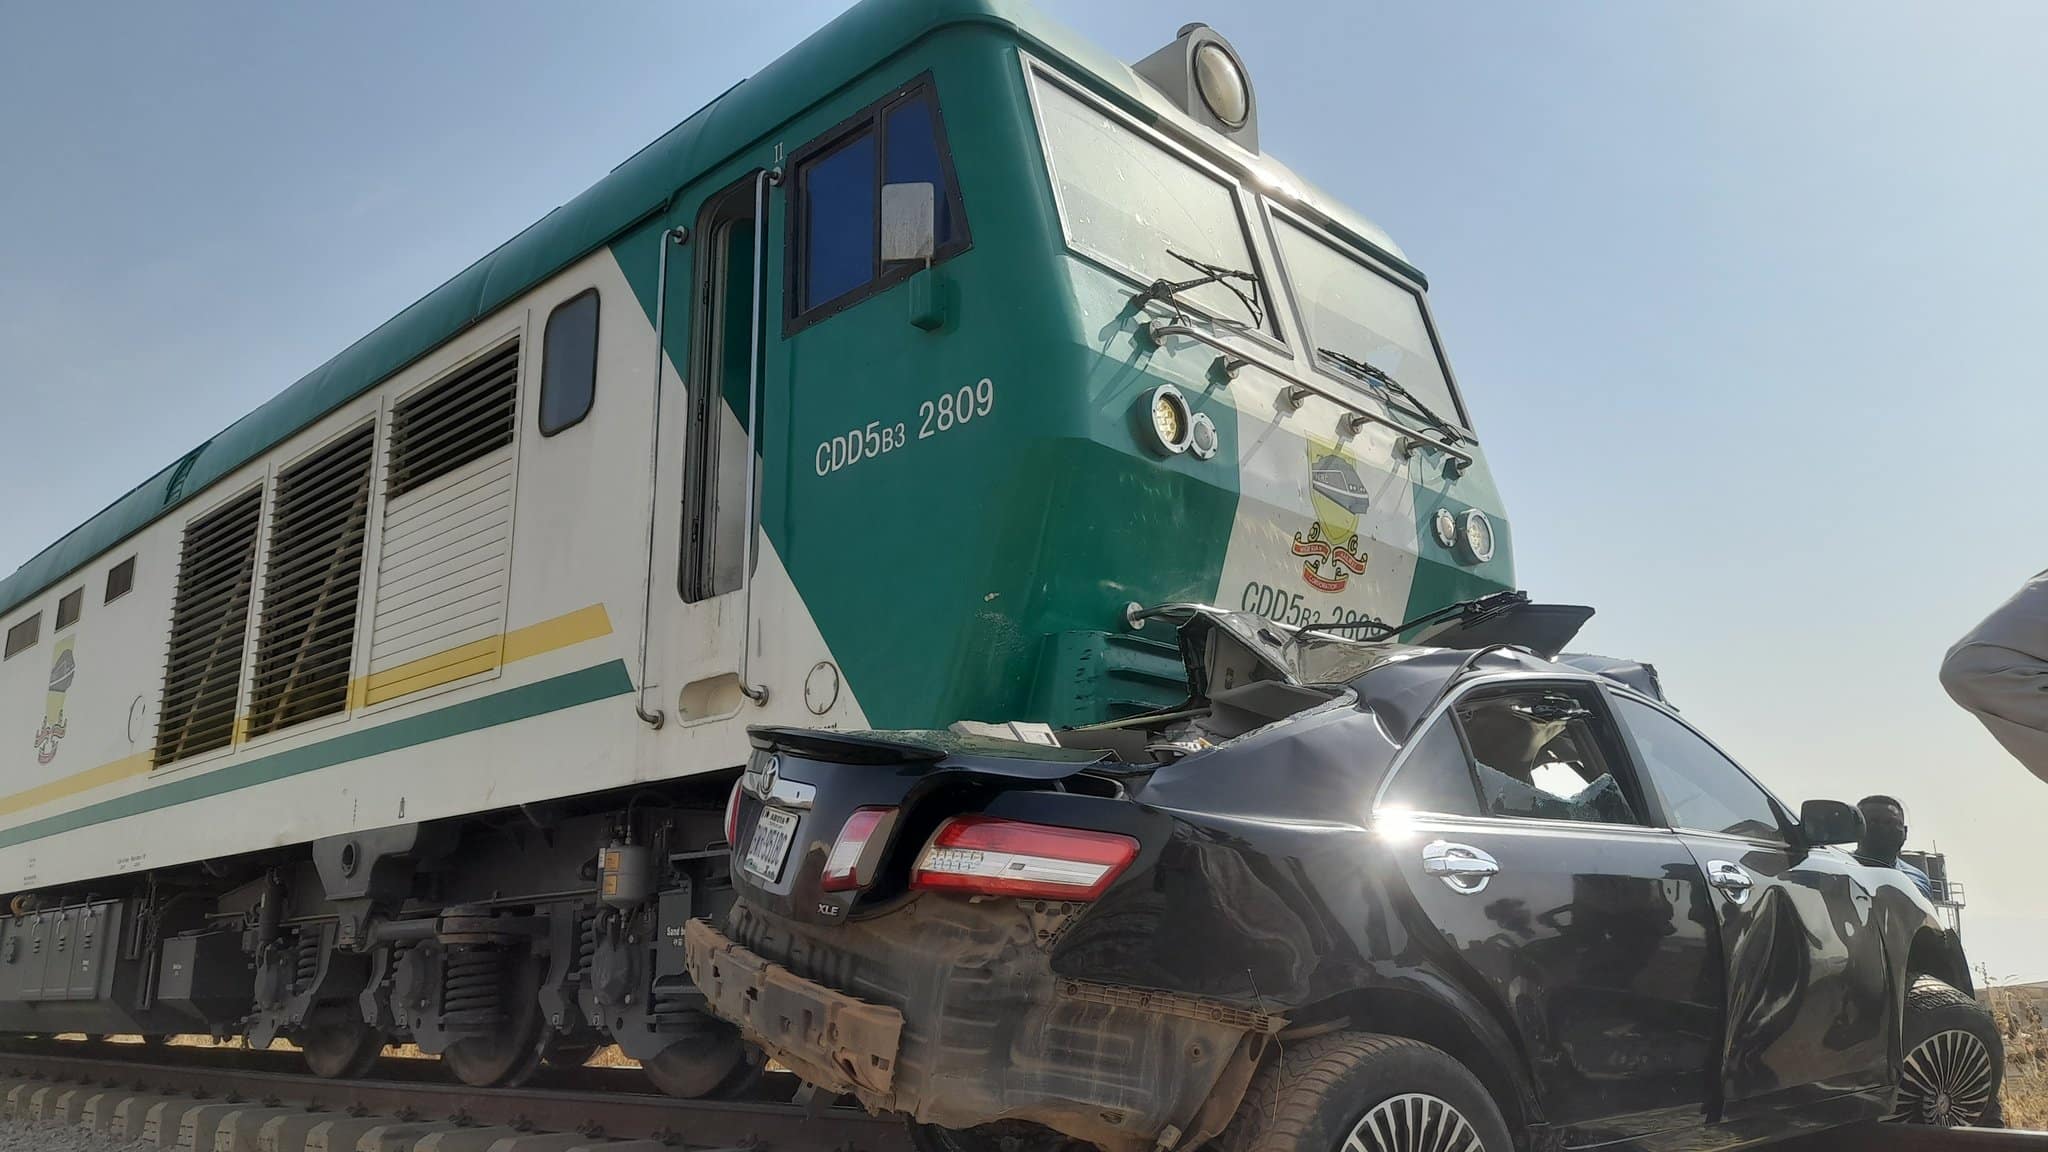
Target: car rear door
<point x="1810" y="992"/>
<point x="1588" y="928"/>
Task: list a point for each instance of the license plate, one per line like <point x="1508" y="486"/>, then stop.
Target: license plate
<point x="770" y="844"/>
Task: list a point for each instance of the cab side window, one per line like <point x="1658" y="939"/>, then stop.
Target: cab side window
<point x="1702" y="790"/>
<point x="1547" y="753"/>
<point x="836" y="223"/>
<point x="839" y="194"/>
<point x="1434" y="776"/>
<point x="568" y="364"/>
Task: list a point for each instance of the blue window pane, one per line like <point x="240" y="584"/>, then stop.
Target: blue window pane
<point x="839" y="221"/>
<point x="914" y="156"/>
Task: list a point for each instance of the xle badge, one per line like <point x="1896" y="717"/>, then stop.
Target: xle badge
<point x="1329" y="550"/>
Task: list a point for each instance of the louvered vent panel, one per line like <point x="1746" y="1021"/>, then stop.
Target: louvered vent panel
<point x="305" y="636"/>
<point x="444" y="559"/>
<point x="468" y="416"/>
<point x="209" y="623"/>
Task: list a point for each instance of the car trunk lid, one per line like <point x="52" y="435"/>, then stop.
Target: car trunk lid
<point x="827" y="825"/>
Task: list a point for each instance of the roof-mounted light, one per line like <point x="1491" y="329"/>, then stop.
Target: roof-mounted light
<point x="1206" y="78"/>
<point x="1222" y="84"/>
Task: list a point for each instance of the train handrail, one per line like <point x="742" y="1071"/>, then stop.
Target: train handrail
<point x="1156" y="334"/>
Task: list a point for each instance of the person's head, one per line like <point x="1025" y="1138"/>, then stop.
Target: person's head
<point x="1884" y="828"/>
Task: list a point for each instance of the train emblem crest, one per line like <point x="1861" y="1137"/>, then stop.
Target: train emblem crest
<point x="1329" y="549"/>
<point x="63" y="668"/>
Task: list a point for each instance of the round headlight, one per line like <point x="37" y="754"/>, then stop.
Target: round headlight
<point x="1172" y="421"/>
<point x="1477" y="539"/>
<point x="1222" y="85"/>
<point x="1445" y="525"/>
<point x="1202" y="439"/>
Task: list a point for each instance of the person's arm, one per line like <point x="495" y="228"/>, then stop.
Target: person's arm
<point x="1999" y="671"/>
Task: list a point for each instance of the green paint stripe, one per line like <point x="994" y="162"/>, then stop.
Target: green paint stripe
<point x="599" y="682"/>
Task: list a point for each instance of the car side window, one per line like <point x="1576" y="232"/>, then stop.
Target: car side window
<point x="1702" y="790"/>
<point x="1434" y="776"/>
<point x="1546" y="752"/>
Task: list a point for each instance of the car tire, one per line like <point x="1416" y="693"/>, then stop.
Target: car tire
<point x="1954" y="1059"/>
<point x="1391" y="1093"/>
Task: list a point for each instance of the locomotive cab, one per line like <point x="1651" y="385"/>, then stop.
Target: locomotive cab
<point x="1117" y="355"/>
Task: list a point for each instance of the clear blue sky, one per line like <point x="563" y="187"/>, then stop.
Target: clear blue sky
<point x="1744" y="297"/>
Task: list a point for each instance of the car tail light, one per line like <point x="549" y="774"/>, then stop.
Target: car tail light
<point x="991" y="857"/>
<point x="732" y="818"/>
<point x="850" y="864"/>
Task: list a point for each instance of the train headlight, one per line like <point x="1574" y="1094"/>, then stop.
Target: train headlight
<point x="1203" y="76"/>
<point x="1476" y="541"/>
<point x="1445" y="525"/>
<point x="1171" y="420"/>
<point x="1220" y="80"/>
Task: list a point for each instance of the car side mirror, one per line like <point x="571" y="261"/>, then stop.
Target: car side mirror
<point x="1830" y="822"/>
<point x="910" y="222"/>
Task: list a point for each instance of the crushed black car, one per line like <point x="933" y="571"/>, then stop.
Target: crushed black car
<point x="1456" y="891"/>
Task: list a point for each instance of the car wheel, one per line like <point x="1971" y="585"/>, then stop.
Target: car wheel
<point x="1361" y="1092"/>
<point x="1954" y="1061"/>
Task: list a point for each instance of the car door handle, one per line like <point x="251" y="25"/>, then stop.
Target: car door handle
<point x="1731" y="879"/>
<point x="1464" y="868"/>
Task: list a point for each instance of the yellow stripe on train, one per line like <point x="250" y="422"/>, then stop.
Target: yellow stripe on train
<point x="413" y="676"/>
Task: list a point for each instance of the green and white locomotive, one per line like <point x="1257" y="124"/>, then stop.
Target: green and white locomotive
<point x="871" y="395"/>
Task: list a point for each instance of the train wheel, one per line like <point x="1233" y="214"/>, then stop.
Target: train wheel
<point x="503" y="1057"/>
<point x="338" y="1043"/>
<point x="700" y="1061"/>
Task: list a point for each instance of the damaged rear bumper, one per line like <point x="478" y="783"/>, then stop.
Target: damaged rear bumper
<point x="826" y="1038"/>
<point x="960" y="1027"/>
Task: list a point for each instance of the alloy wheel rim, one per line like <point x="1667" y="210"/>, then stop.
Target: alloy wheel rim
<point x="1413" y="1122"/>
<point x="1946" y="1081"/>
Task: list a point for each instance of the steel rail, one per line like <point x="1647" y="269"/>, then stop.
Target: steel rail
<point x="576" y="1100"/>
<point x="615" y="1115"/>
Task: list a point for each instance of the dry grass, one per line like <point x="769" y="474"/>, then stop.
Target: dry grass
<point x="2023" y="1017"/>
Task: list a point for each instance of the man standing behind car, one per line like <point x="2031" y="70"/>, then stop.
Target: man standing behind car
<point x="1884" y="833"/>
<point x="2000" y="673"/>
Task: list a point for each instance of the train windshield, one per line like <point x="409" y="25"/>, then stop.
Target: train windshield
<point x="1143" y="210"/>
<point x="1362" y="315"/>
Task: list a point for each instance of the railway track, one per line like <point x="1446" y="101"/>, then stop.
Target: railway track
<point x="601" y="1105"/>
<point x="220" y="1100"/>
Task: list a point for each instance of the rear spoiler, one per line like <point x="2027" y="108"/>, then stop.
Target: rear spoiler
<point x="843" y="747"/>
<point x="922" y="746"/>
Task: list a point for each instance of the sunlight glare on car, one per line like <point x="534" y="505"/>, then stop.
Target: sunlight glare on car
<point x="1394" y="825"/>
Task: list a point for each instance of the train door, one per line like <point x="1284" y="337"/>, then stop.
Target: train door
<point x="707" y="619"/>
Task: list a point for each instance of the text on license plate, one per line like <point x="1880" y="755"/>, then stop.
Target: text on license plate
<point x="770" y="844"/>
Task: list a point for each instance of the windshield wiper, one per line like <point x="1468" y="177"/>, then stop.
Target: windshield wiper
<point x="1169" y="290"/>
<point x="1380" y="379"/>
